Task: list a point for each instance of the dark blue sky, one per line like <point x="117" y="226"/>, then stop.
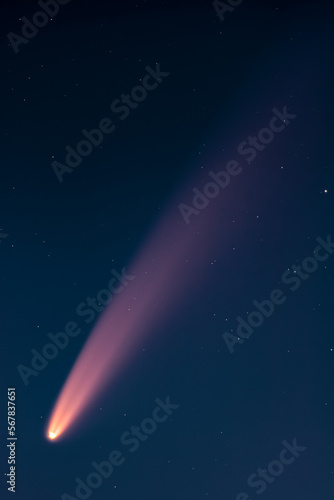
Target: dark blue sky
<point x="61" y="240"/>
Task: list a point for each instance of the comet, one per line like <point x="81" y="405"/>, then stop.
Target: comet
<point x="173" y="258"/>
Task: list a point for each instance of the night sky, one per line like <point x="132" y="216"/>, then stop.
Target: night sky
<point x="207" y="127"/>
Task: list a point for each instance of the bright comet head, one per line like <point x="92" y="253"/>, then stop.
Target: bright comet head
<point x="52" y="435"/>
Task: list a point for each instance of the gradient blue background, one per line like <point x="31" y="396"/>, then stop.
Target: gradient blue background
<point x="63" y="240"/>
